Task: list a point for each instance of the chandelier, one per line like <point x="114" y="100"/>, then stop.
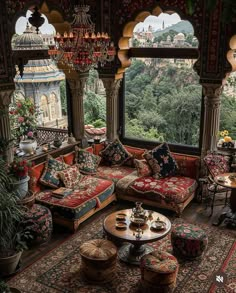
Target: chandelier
<point x="82" y="48"/>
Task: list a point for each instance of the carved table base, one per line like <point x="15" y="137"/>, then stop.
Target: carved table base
<point x="132" y="254"/>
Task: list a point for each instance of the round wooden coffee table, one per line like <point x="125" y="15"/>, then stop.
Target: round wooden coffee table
<point x="136" y="247"/>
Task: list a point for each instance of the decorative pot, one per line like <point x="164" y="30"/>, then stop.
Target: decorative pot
<point x="8" y="265"/>
<point x="28" y="146"/>
<point x="21" y="186"/>
<point x="57" y="142"/>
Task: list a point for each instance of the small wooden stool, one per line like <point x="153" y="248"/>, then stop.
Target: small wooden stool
<point x="188" y="241"/>
<point x="158" y="272"/>
<point x="98" y="260"/>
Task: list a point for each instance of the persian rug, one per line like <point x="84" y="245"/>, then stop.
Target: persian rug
<point x="59" y="269"/>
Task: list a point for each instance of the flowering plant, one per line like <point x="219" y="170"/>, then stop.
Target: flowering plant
<point x="23" y="117"/>
<point x="225" y="136"/>
<point x="19" y="168"/>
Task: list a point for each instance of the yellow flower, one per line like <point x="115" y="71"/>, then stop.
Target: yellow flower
<point x="222" y="133"/>
<point x="226" y="132"/>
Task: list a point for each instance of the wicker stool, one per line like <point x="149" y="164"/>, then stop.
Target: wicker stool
<point x="188" y="241"/>
<point x="98" y="260"/>
<point x="158" y="272"/>
<point x="38" y="221"/>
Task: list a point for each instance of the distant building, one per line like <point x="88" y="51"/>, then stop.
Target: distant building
<point x="41" y="80"/>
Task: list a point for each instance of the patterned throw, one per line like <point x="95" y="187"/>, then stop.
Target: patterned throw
<point x="161" y="161"/>
<point x="115" y="154"/>
<point x="59" y="269"/>
<point x="142" y="167"/>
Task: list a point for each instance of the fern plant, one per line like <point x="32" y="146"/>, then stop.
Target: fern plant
<point x="12" y="237"/>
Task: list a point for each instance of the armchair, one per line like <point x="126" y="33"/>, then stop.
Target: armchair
<point x="216" y="164"/>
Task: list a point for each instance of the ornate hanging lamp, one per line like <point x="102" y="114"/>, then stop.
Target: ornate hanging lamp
<point x="82" y="48"/>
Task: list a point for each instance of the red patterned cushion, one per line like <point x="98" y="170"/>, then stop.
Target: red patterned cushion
<point x="217" y="164"/>
<point x="69" y="158"/>
<point x="71" y="177"/>
<point x="142" y="168"/>
<point x="160" y="262"/>
<point x="176" y="189"/>
<point x="188" y="240"/>
<point x="161" y="161"/>
<point x="115" y="153"/>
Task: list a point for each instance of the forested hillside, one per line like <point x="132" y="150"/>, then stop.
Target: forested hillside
<point x="163" y="102"/>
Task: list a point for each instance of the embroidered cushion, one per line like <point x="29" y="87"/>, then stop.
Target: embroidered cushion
<point x="161" y="161"/>
<point x="71" y="177"/>
<point x="87" y="162"/>
<point x="50" y="175"/>
<point x="188" y="240"/>
<point x="115" y="154"/>
<point x="142" y="168"/>
<point x="217" y="164"/>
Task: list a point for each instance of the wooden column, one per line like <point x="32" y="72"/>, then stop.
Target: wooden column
<point x="77" y="91"/>
<point x="112" y="86"/>
<point x="211" y="117"/>
<point x="5" y="129"/>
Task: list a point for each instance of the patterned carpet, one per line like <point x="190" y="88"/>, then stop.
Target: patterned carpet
<point x="58" y="271"/>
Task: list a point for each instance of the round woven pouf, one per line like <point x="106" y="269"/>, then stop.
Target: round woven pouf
<point x="159" y="271"/>
<point x="38" y="221"/>
<point x="188" y="241"/>
<point x="98" y="260"/>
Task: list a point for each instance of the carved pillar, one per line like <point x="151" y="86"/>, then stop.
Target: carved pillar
<point x="112" y="90"/>
<point x="5" y="129"/>
<point x="77" y="93"/>
<point x="211" y="116"/>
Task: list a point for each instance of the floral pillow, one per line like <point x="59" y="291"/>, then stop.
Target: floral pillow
<point x="87" y="162"/>
<point x="115" y="154"/>
<point x="71" y="177"/>
<point x="142" y="167"/>
<point x="50" y="175"/>
<point x="161" y="161"/>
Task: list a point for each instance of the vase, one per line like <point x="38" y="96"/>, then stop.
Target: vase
<point x="28" y="146"/>
<point x="21" y="187"/>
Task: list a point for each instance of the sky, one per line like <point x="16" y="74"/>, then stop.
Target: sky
<point x="156" y="22"/>
<point x="20" y="27"/>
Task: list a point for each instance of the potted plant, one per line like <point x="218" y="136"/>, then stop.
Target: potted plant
<point x="13" y="237"/>
<point x="18" y="171"/>
<point x="23" y="117"/>
<point x="4" y="288"/>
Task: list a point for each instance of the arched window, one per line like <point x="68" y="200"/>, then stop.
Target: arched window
<point x="54" y="107"/>
<point x="162" y="95"/>
<point x="44" y="108"/>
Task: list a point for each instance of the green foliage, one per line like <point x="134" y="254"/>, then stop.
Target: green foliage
<point x="63" y="97"/>
<point x="99" y="123"/>
<point x="163" y="101"/>
<point x="12" y="236"/>
<point x="4" y="288"/>
<point x="228" y="114"/>
<point x="23" y="118"/>
<point x="94" y="107"/>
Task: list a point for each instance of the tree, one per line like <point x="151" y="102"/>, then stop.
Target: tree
<point x="63" y="97"/>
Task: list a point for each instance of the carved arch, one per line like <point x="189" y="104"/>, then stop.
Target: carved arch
<point x="127" y="33"/>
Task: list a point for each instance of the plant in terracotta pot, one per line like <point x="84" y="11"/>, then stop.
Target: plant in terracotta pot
<point x="12" y="236"/>
<point x="18" y="170"/>
<point x="23" y="116"/>
<point x="4" y="288"/>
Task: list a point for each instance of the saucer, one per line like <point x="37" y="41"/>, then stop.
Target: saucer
<point x="120" y="217"/>
<point x="158" y="225"/>
<point x="121" y="225"/>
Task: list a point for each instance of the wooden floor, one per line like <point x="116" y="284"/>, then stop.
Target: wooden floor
<point x="194" y="213"/>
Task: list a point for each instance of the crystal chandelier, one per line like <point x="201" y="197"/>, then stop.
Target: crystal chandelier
<point x="82" y="48"/>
